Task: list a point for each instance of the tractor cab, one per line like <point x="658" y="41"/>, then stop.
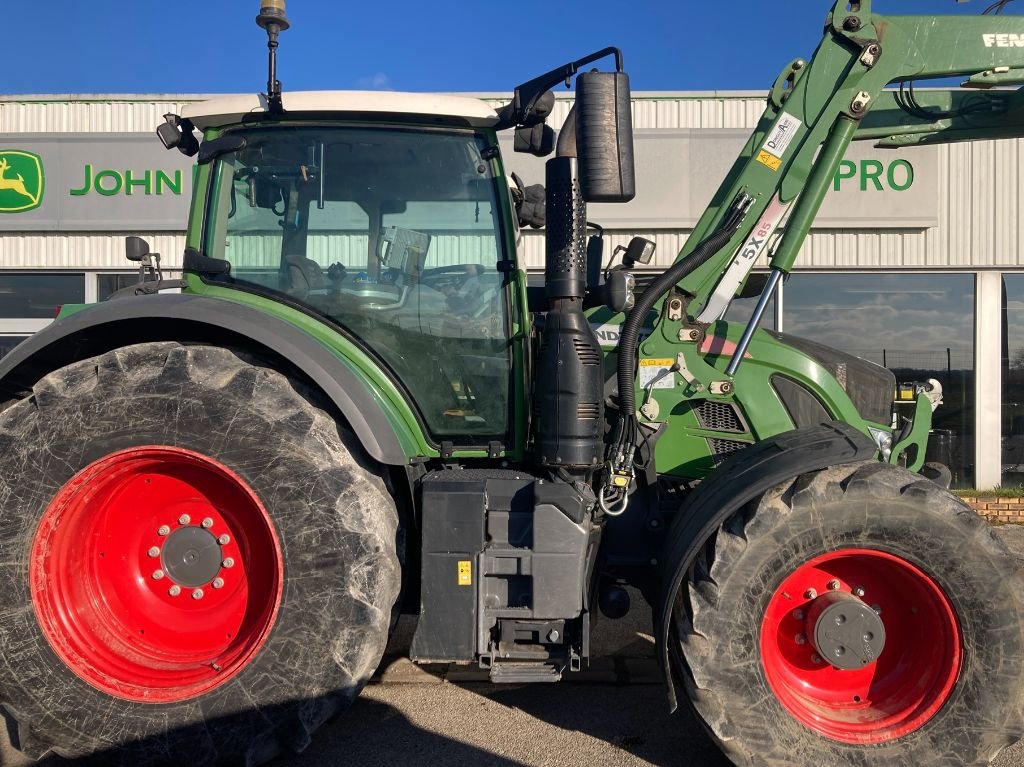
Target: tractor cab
<point x="385" y="215"/>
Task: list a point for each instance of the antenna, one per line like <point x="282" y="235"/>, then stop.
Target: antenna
<point x="272" y="18"/>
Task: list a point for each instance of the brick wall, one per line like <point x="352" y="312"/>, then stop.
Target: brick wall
<point x="998" y="509"/>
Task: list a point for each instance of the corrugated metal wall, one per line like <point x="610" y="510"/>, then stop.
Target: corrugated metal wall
<point x="979" y="192"/>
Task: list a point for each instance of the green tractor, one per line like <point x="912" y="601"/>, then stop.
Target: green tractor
<point x="215" y="501"/>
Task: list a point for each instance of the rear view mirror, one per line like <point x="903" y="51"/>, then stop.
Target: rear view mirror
<point x="135" y="248"/>
<point x="604" y="137"/>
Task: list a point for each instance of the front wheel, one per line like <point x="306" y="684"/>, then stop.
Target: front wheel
<point x="196" y="563"/>
<point x="858" y="615"/>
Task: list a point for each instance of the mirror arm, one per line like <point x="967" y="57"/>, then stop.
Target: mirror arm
<point x="526" y="96"/>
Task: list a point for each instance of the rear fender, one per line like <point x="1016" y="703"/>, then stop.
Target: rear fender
<point x="737" y="481"/>
<point x="107" y="326"/>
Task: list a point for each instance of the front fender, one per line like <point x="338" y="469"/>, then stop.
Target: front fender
<point x="737" y="481"/>
<point x="107" y="326"/>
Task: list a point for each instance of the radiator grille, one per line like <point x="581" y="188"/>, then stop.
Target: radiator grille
<point x="719" y="416"/>
<point x="722" y="448"/>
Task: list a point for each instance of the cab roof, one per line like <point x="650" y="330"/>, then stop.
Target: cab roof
<point x="447" y="109"/>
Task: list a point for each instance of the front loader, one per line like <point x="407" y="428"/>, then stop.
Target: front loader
<point x="214" y="502"/>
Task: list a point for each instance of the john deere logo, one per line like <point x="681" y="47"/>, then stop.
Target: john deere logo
<point x="21" y="181"/>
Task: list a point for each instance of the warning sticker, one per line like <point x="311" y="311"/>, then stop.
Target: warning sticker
<point x="766" y="159"/>
<point x="656" y="374"/>
<point x="465" y="572"/>
<point x="780" y="137"/>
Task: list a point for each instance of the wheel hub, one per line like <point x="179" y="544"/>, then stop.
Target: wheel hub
<point x="191" y="556"/>
<point x="845" y="631"/>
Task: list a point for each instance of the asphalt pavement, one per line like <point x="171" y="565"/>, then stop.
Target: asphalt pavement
<point x="613" y="715"/>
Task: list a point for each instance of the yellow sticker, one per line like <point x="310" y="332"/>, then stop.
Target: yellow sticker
<point x="465" y="572"/>
<point x="655" y="363"/>
<point x="770" y="160"/>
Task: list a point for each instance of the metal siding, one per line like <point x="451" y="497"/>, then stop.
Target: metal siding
<point x="979" y="190"/>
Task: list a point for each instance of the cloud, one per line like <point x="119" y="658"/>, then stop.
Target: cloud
<point x="375" y="82"/>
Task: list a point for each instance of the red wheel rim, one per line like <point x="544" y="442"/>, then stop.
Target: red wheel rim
<point x="911" y="679"/>
<point x="156" y="574"/>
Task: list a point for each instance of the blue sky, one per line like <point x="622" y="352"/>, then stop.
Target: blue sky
<point x="214" y="46"/>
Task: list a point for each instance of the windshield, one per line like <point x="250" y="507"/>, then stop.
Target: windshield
<point x="395" y="234"/>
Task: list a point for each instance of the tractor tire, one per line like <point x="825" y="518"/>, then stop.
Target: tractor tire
<point x="930" y="669"/>
<point x="197" y="565"/>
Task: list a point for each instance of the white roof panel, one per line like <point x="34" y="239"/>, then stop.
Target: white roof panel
<point x="231" y="109"/>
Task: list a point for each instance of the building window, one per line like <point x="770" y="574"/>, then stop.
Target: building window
<point x="37" y="296"/>
<point x="920" y="326"/>
<point x="107" y="284"/>
<point x="1013" y="380"/>
<point x="9" y="342"/>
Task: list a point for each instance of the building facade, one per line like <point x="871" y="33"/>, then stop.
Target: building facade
<point x="915" y="261"/>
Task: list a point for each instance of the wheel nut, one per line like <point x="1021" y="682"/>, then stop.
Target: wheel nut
<point x="184" y="519"/>
<point x="877" y="609"/>
<point x="833" y="585"/>
<point x="174" y="590"/>
<point x="859" y="591"/>
<point x="810" y="594"/>
<point x="800" y="639"/>
<point x="224" y="540"/>
<point x="197" y="594"/>
<point x="218" y="583"/>
<point x="229" y="562"/>
<point x="207" y="523"/>
<point x="164" y="530"/>
<point x="153" y="551"/>
<point x="798" y="615"/>
<point x="158" y="574"/>
<point x="815" y="658"/>
<point x="840" y="651"/>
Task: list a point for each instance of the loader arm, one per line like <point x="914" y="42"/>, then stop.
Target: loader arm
<point x="816" y="108"/>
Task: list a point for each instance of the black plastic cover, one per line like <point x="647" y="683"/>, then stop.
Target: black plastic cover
<point x="568" y="417"/>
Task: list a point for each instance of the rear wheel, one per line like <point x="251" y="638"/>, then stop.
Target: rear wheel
<point x="194" y="560"/>
<point x="858" y="615"/>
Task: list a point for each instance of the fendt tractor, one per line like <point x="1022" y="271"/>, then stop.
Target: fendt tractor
<point x="218" y="492"/>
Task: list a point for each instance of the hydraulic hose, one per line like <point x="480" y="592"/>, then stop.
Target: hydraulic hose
<point x="634" y="322"/>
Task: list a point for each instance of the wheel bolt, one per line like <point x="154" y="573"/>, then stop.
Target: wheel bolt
<point x="815" y="658"/>
<point x="158" y="574"/>
<point x="859" y="591"/>
<point x="840" y="651"/>
<point x="229" y="562"/>
<point x="877" y="609"/>
<point x="218" y="583"/>
<point x="197" y="594"/>
<point x="153" y="551"/>
<point x="833" y="585"/>
<point x="224" y="540"/>
<point x="207" y="523"/>
<point x="810" y="594"/>
<point x="184" y="519"/>
<point x="798" y="615"/>
<point x="164" y="530"/>
<point x="800" y="639"/>
<point x="174" y="590"/>
<point x="840" y="620"/>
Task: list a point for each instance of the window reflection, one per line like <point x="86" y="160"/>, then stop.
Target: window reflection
<point x="1013" y="380"/>
<point x="37" y="296"/>
<point x="919" y="326"/>
<point x="9" y="342"/>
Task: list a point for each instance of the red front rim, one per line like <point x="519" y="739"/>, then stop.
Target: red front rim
<point x="911" y="679"/>
<point x="156" y="574"/>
